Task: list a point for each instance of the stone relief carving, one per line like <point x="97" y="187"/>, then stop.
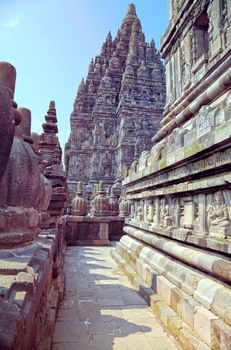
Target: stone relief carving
<point x="218" y="215"/>
<point x="140" y="212"/>
<point x="204" y="121"/>
<point x="202" y="214"/>
<point x="165" y="213"/>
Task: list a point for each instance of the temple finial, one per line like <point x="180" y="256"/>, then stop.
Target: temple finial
<point x="50" y="126"/>
<point x="131" y="9"/>
<point x="51" y="105"/>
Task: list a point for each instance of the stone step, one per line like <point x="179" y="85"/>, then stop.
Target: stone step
<point x="199" y="301"/>
<point x="210" y="292"/>
<point x="186" y="337"/>
<point x="216" y="264"/>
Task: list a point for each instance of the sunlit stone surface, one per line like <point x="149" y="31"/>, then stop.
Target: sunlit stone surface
<point x="178" y="235"/>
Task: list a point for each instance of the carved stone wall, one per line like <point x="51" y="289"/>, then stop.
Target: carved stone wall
<point x="178" y="236"/>
<point x="117" y="109"/>
<point x="31" y="258"/>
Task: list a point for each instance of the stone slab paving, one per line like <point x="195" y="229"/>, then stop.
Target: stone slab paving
<point x="101" y="311"/>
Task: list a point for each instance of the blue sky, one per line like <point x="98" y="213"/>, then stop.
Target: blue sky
<point x="51" y="43"/>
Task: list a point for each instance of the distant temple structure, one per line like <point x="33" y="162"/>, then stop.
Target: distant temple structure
<point x="117" y="109"/>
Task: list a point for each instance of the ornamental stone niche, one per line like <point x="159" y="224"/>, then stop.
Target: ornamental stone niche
<point x="178" y="238"/>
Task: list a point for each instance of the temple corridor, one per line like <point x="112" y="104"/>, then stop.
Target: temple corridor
<point x="100" y="309"/>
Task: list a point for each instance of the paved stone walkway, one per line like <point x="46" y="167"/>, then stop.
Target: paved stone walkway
<point x="101" y="311"/>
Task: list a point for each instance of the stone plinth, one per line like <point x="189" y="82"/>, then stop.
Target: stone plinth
<point x="220" y="232"/>
<point x="87" y="230"/>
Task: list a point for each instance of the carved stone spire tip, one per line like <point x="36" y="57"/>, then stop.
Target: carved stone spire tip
<point x="109" y="37"/>
<point x="52" y="105"/>
<point x="131" y="9"/>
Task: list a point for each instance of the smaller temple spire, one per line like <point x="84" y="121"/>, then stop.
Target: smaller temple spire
<point x="106" y="45"/>
<point x="153" y="46"/>
<point x="81" y="88"/>
<point x="91" y="66"/>
<point x="109" y="37"/>
<point x="51" y="120"/>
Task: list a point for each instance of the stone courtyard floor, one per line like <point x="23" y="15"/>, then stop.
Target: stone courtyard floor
<point x="101" y="311"/>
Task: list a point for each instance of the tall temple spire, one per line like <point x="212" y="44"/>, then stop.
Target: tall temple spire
<point x="118" y="107"/>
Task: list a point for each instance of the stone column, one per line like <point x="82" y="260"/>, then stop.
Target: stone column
<point x="202" y="213"/>
<point x="157" y="216"/>
<point x="176" y="212"/>
<point x="145" y="209"/>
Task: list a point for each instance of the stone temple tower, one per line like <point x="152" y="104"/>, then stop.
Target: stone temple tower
<point x="117" y="109"/>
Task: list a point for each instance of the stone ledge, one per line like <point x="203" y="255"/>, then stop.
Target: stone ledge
<point x="28" y="290"/>
<point x="190" y="288"/>
<point x="217" y="265"/>
<point x="97" y="219"/>
<point x="219" y="245"/>
<point x="171" y="322"/>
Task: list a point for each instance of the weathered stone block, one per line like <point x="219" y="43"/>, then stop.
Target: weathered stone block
<point x="164" y="289"/>
<point x="188" y="307"/>
<point x="203" y="324"/>
<point x="189" y="341"/>
<point x="205" y="292"/>
<point x="221" y="335"/>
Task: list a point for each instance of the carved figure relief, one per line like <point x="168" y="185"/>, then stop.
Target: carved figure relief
<point x="165" y="213"/>
<point x="140" y="212"/>
<point x="218" y="211"/>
